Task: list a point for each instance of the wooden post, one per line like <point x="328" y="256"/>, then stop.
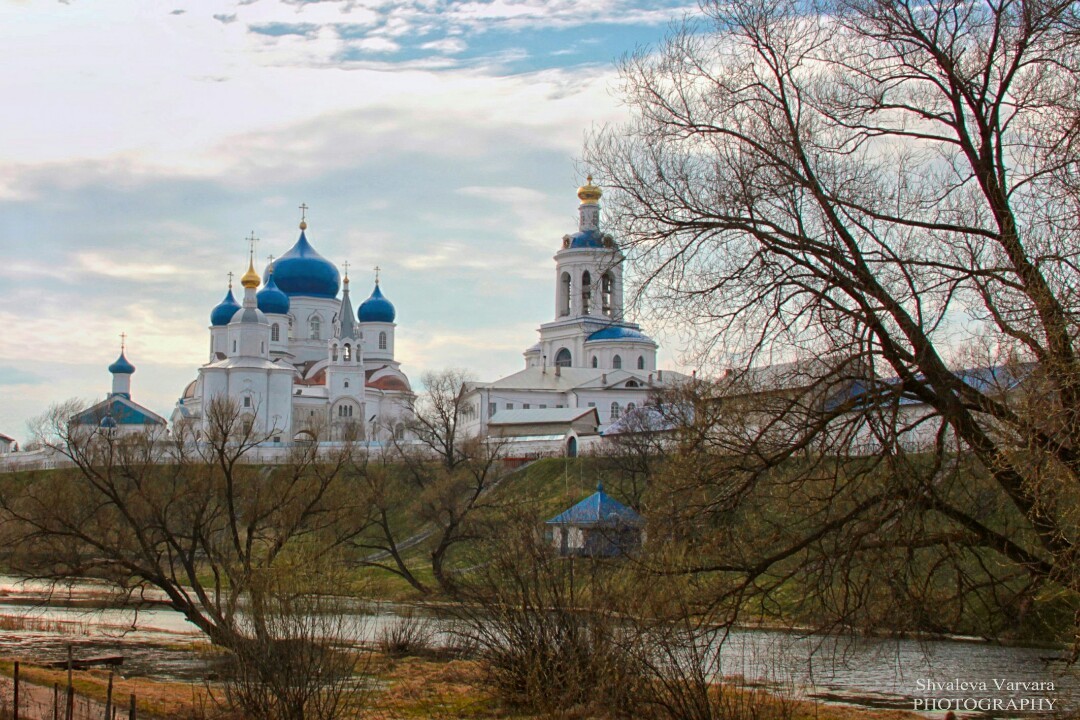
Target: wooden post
<point x="56" y="701"/>
<point x="69" y="711"/>
<point x="131" y="709"/>
<point x="108" y="698"/>
<point x="15" y="693"/>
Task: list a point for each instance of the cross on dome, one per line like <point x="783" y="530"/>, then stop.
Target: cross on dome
<point x="303" y="216"/>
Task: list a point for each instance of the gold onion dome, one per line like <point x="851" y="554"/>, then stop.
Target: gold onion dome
<point x="251" y="278"/>
<point x="589" y="193"/>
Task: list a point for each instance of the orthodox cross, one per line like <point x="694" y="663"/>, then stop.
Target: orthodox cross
<point x="252" y="241"/>
<point x="303" y="212"/>
<point x="230" y="274"/>
<point x="123" y="342"/>
<point x="377" y="269"/>
<point x="346" y="266"/>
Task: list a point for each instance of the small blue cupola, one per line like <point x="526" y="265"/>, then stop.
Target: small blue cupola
<point x="224" y="310"/>
<point x="121" y="366"/>
<point x="376" y="308"/>
<point x="271" y="299"/>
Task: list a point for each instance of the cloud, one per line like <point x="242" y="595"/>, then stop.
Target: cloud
<point x="450" y="46"/>
<point x="18" y="376"/>
<point x="178" y="11"/>
<point x="283" y="29"/>
<point x="225" y="19"/>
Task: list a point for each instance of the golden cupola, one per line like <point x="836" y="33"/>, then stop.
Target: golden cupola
<point x="589" y="193"/>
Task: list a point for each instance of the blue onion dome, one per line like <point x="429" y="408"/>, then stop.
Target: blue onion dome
<point x="302" y="271"/>
<point x="270" y="299"/>
<point x="618" y="332"/>
<point x="376" y="308"/>
<point x="223" y="312"/>
<point x="121" y="366"/>
<point x="108" y="423"/>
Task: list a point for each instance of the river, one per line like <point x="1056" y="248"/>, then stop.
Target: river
<point x="40" y="621"/>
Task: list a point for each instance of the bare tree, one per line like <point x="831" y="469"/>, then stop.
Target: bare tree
<point x="194" y="518"/>
<point x="894" y="183"/>
<point x="443" y="476"/>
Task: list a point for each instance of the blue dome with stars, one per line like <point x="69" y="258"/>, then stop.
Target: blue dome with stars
<point x="302" y="271"/>
<point x="271" y="300"/>
<point x="376" y="308"/>
<point x="224" y="310"/>
<point x="618" y="332"/>
<point x="121" y="366"/>
<point x="587" y="239"/>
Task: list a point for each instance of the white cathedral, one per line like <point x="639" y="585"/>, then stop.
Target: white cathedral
<point x="293" y="356"/>
<point x="590" y="361"/>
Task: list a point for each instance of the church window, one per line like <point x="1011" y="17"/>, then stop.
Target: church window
<point x="275" y="333"/>
<point x="348" y="352"/>
<point x="607" y="286"/>
<point x="333" y="352"/>
<point x="616" y="362"/>
<point x="345" y="411"/>
<point x="592" y="404"/>
<point x="543" y="407"/>
<point x="562" y="358"/>
<point x="614" y="411"/>
<point x="525" y="406"/>
<point x="509" y="406"/>
<point x="234" y="346"/>
<point x="262" y="347"/>
<point x="631" y="384"/>
<point x="346" y="383"/>
<point x="316" y="328"/>
<point x="630" y="407"/>
<point x="595" y="361"/>
<point x="399" y="431"/>
<point x="564" y="294"/>
<point x="247" y="401"/>
<point x="382" y="340"/>
<point x="491" y="409"/>
<point x="640" y="362"/>
<point x="586" y="292"/>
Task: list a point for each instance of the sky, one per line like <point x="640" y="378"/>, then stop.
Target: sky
<point x="144" y="140"/>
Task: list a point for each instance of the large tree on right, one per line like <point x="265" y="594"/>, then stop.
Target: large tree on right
<point x="889" y="187"/>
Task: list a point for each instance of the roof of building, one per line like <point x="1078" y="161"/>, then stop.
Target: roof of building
<point x="597" y="509"/>
<point x="121" y="366"/>
<point x="271" y="299"/>
<point x="376" y="308"/>
<point x="122" y="410"/>
<point x="224" y="310"/>
<point x="619" y="333"/>
<point x="989" y="380"/>
<point x="303" y="271"/>
<point x="542" y="416"/>
<point x="6" y="438"/>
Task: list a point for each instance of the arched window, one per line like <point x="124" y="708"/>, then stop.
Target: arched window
<point x="382" y="340"/>
<point x="607" y="287"/>
<point x="399" y="431"/>
<point x="234" y="346"/>
<point x="346" y="383"/>
<point x="640" y="362"/>
<point x="316" y="328"/>
<point x="595" y="361"/>
<point x="586" y="292"/>
<point x="347" y="354"/>
<point x="562" y="358"/>
<point x="275" y="332"/>
<point x="630" y="407"/>
<point x="616" y="362"/>
<point x="564" y="294"/>
<point x="614" y="411"/>
<point x="333" y="352"/>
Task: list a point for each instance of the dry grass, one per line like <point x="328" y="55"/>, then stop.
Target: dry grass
<point x="407" y="689"/>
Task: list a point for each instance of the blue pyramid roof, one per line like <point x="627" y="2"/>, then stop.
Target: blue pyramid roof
<point x="597" y="509"/>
